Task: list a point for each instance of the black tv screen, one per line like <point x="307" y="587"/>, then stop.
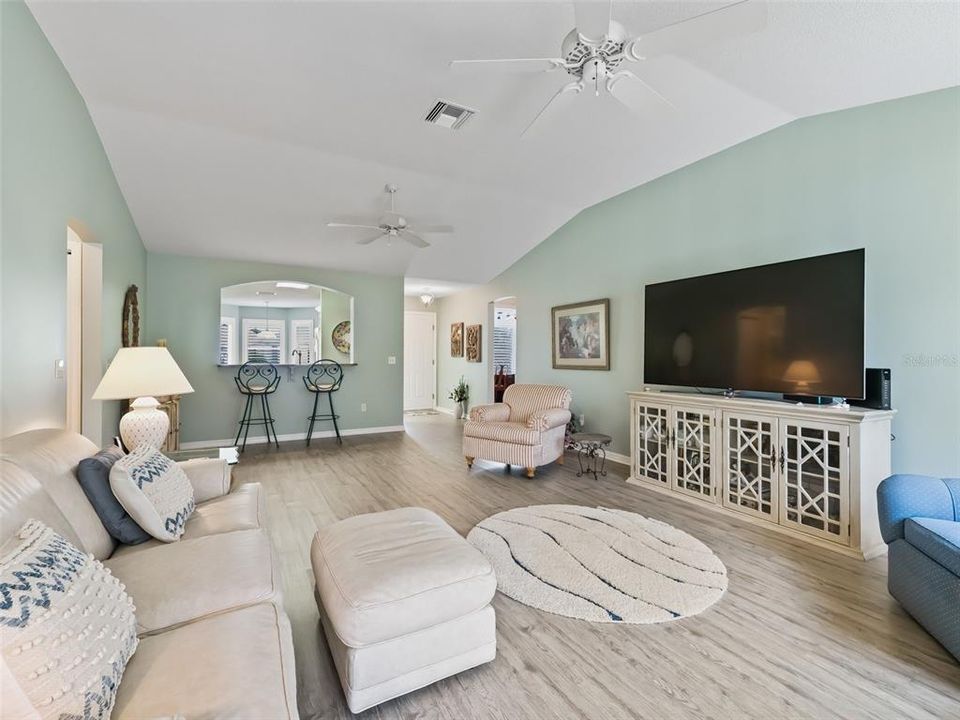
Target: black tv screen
<point x="792" y="327"/>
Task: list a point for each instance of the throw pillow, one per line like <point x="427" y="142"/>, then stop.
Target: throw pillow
<point x="93" y="473"/>
<point x="67" y="627"/>
<point x="154" y="490"/>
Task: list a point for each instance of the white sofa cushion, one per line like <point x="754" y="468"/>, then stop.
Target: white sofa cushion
<point x="51" y="456"/>
<point x="236" y="665"/>
<point x="210" y="477"/>
<point x="67" y="627"/>
<point x="178" y="583"/>
<point x="242" y="509"/>
<point x="383" y="575"/>
<point x="154" y="490"/>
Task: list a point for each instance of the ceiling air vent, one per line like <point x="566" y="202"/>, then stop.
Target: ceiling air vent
<point x="449" y="115"/>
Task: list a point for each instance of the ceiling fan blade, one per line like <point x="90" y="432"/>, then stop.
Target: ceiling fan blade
<point x="569" y="90"/>
<point x="367" y="241"/>
<point x="740" y="18"/>
<point x="636" y="94"/>
<point x="593" y="18"/>
<point x="352" y="225"/>
<point x="414" y="239"/>
<point x="432" y="228"/>
<point x="510" y="64"/>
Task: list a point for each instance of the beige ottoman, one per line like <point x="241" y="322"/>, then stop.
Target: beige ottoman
<point x="404" y="601"/>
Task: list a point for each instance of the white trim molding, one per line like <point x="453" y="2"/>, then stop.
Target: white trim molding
<point x="261" y="439"/>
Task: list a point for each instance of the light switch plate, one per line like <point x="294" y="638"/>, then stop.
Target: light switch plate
<point x="391" y="360"/>
<point x="58" y="369"/>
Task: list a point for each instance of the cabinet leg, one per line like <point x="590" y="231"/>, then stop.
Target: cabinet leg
<point x="469" y="461"/>
<point x="531" y="471"/>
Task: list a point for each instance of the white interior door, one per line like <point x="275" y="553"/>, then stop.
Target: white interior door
<point x="419" y="360"/>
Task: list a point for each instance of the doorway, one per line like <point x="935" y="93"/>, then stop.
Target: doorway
<point x="503" y="349"/>
<point x="419" y="360"/>
<point x="82" y="361"/>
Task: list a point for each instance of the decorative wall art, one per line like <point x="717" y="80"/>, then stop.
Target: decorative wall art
<point x="456" y="340"/>
<point x="473" y="343"/>
<point x="130" y="329"/>
<point x="342" y="337"/>
<point x="581" y="335"/>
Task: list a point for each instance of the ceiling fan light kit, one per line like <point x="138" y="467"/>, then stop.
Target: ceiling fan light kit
<point x="595" y="51"/>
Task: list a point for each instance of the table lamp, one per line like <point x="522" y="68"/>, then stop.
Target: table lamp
<point x="142" y="373"/>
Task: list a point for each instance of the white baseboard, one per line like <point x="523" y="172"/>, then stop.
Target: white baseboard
<point x="445" y="411"/>
<point x="618" y="458"/>
<point x="262" y="439"/>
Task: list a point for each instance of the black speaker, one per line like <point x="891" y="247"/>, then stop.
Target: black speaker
<point x="876" y="390"/>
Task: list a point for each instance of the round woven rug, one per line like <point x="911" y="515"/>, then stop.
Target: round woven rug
<point x="599" y="564"/>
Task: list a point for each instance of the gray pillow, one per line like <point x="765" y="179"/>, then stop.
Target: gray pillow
<point x="94" y="476"/>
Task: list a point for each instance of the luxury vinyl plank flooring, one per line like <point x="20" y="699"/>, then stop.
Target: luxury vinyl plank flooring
<point x="801" y="633"/>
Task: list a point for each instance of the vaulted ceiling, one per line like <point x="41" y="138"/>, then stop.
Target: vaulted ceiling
<point x="239" y="129"/>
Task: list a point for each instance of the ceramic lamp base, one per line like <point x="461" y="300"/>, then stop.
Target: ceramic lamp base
<point x="145" y="424"/>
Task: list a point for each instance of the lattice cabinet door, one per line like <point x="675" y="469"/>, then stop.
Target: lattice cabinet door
<point x="814" y="486"/>
<point x="750" y="464"/>
<point x="694" y="444"/>
<point x="651" y="446"/>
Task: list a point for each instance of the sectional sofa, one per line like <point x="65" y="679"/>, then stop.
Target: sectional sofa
<point x="214" y="639"/>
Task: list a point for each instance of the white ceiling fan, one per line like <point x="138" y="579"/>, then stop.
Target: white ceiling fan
<point x="392" y="225"/>
<point x="595" y="51"/>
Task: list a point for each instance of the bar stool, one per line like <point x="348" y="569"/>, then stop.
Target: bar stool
<point x="323" y="377"/>
<point x="257" y="380"/>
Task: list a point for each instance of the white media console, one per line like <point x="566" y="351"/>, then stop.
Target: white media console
<point x="806" y="470"/>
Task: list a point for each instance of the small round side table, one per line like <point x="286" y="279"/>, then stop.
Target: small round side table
<point x="591" y="451"/>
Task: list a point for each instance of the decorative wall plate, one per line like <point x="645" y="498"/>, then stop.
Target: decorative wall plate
<point x="341" y="337"/>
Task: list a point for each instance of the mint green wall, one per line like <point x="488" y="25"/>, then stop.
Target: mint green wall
<point x="184" y="305"/>
<point x="885" y="177"/>
<point x="54" y="173"/>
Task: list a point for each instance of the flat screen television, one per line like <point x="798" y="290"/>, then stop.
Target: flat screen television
<point x="791" y="327"/>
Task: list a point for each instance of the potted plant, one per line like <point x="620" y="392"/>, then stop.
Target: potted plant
<point x="459" y="395"/>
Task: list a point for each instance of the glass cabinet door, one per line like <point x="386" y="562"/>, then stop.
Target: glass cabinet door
<point x="650" y="444"/>
<point x="693" y="446"/>
<point x="750" y="464"/>
<point x="814" y="479"/>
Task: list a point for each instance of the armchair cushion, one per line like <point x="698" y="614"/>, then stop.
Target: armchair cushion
<point x="525" y="400"/>
<point x="904" y="496"/>
<point x="506" y="432"/>
<point x="937" y="539"/>
<point x="547" y="419"/>
<point x="498" y="412"/>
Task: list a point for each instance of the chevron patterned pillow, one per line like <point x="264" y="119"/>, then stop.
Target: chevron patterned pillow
<point x="154" y="491"/>
<point x="67" y="628"/>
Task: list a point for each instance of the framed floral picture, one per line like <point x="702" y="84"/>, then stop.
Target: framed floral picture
<point x="473" y="343"/>
<point x="456" y="340"/>
<point x="581" y="335"/>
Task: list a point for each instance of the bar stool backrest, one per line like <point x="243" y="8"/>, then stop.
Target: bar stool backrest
<point x="324" y="376"/>
<point x="257" y="378"/>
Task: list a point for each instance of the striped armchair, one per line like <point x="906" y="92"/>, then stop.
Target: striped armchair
<point x="526" y="429"/>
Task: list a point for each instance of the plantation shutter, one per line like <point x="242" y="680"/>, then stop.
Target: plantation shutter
<point x="303" y="340"/>
<point x="262" y="346"/>
<point x="503" y="349"/>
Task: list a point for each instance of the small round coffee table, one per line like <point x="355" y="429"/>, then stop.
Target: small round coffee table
<point x="591" y="450"/>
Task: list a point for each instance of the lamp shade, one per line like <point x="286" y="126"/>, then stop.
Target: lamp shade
<point x="141" y="372"/>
